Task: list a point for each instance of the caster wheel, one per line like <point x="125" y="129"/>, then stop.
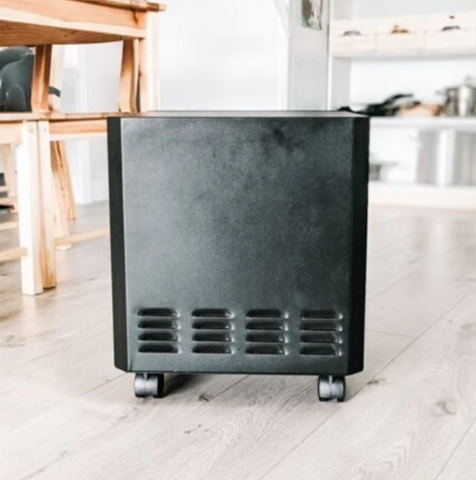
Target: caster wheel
<point x="331" y="388"/>
<point x="149" y="385"/>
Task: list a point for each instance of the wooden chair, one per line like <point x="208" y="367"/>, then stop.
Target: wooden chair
<point x="33" y="178"/>
<point x="44" y="24"/>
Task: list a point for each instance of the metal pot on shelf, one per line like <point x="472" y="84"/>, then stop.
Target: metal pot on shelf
<point x="460" y="101"/>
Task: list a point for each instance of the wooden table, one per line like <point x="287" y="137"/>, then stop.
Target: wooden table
<point x="58" y="22"/>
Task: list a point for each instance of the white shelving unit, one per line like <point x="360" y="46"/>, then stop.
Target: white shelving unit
<point x="346" y="80"/>
<point x="440" y="54"/>
<point x="423" y="123"/>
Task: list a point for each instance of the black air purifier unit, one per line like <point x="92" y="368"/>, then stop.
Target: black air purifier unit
<point x="239" y="245"/>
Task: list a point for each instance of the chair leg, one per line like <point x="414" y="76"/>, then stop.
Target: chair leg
<point x="129" y="77"/>
<point x="48" y="247"/>
<point x="61" y="214"/>
<point x="10" y="173"/>
<point x="29" y="199"/>
<point x="65" y="185"/>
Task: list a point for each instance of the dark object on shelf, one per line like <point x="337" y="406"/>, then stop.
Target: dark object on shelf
<point x="388" y="108"/>
<point x="239" y="245"/>
<point x="398" y="30"/>
<point x="451" y="28"/>
<point x="460" y="101"/>
<point x="352" y="33"/>
<point x="16" y="74"/>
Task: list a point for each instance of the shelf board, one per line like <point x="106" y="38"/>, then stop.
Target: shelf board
<point x="405" y="55"/>
<point x="426" y="123"/>
<point x="422" y="196"/>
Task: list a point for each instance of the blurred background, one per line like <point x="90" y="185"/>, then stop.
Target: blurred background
<point x="410" y="64"/>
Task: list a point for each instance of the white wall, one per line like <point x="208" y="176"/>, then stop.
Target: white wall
<point x="220" y="54"/>
<point x="90" y="84"/>
<point x="236" y="54"/>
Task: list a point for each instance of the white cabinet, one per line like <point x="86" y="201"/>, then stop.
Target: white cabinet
<point x="354" y="36"/>
<point x="419" y="34"/>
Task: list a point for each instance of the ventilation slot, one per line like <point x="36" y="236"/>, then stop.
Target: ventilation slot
<point x="265" y="325"/>
<point x="212" y="337"/>
<point x="265" y="350"/>
<point x="320" y="337"/>
<point x="321" y="333"/>
<point x="212" y="313"/>
<point x="164" y="348"/>
<point x="158" y="312"/>
<point x="158" y="324"/>
<point x="217" y="349"/>
<point x="158" y="337"/>
<point x="212" y="331"/>
<point x="263" y="314"/>
<point x="211" y="325"/>
<point x="322" y="350"/>
<point x="265" y="332"/>
<point x="158" y="330"/>
<point x="268" y="337"/>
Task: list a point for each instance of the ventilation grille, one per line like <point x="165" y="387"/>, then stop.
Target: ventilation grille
<point x="212" y="331"/>
<point x="266" y="332"/>
<point x="158" y="330"/>
<point x="321" y="333"/>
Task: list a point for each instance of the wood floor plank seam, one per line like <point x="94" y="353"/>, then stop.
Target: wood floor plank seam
<point x="59" y="349"/>
<point x="107" y="430"/>
<point x="371" y="330"/>
<point x="276" y="465"/>
<point x="410" y="273"/>
<point x="441" y="319"/>
<point x="452" y="454"/>
<point x="473" y="419"/>
<point x="376" y="375"/>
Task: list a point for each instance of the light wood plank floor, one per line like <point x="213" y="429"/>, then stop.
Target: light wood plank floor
<point x="67" y="413"/>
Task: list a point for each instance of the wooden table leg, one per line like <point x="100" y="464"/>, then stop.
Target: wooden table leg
<point x="148" y="65"/>
<point x="48" y="247"/>
<point x="29" y="207"/>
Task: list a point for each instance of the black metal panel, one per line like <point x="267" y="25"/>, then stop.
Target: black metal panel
<point x="239" y="242"/>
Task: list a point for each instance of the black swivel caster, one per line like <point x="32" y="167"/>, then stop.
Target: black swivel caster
<point x="331" y="388"/>
<point x="149" y="385"/>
